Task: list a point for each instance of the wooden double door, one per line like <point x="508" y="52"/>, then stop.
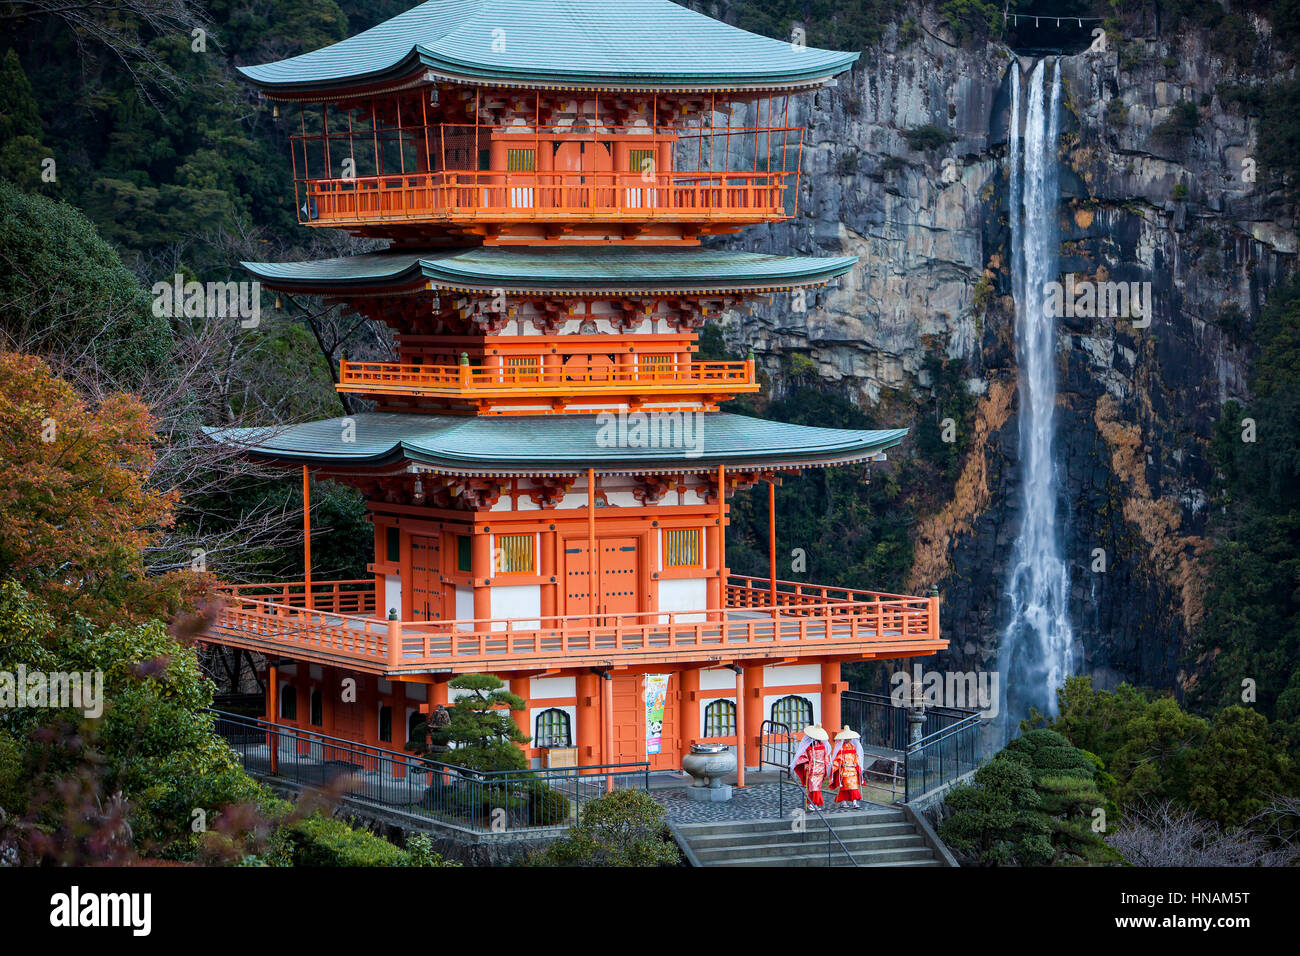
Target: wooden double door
<point x="630" y="729"/>
<point x="428" y="597"/>
<point x="615" y="575"/>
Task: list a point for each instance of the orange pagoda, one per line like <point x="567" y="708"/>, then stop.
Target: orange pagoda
<point x="546" y="466"/>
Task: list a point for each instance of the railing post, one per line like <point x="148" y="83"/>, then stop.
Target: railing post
<point x="394" y="639"/>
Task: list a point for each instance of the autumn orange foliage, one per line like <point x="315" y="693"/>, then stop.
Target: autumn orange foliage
<point x="76" y="509"/>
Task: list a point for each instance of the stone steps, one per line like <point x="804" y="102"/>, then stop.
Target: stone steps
<point x="882" y="837"/>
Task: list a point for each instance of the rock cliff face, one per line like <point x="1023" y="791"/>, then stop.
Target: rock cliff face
<point x="1140" y="203"/>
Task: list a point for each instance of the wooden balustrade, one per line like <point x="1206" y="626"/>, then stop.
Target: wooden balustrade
<point x="804" y="619"/>
<point x="573" y="378"/>
<point x="474" y="196"/>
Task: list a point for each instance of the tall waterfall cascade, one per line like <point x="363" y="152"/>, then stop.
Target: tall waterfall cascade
<point x="1036" y="651"/>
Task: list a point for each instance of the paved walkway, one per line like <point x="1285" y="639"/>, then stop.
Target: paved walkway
<point x="755" y="802"/>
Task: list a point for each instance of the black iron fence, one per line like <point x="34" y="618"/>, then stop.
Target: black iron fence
<point x="490" y="802"/>
<point x="947" y="748"/>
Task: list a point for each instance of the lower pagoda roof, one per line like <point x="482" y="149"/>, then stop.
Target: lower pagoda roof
<point x="546" y="445"/>
<point x="557" y="271"/>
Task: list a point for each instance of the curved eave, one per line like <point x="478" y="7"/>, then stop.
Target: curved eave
<point x="445" y="454"/>
<point x="383" y="273"/>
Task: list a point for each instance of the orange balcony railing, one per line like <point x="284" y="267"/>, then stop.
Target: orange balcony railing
<point x="796" y="620"/>
<point x="572" y="379"/>
<point x="467" y="197"/>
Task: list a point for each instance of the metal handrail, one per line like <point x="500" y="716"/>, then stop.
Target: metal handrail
<point x="783" y="730"/>
<point x="830" y="832"/>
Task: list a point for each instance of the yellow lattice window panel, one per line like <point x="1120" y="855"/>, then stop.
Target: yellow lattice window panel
<point x="657" y="364"/>
<point x="641" y="161"/>
<point x="521" y="367"/>
<point x="682" y="548"/>
<point x="516" y="554"/>
<point x="519" y="160"/>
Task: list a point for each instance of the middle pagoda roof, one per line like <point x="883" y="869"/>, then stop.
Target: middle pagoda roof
<point x="560" y="444"/>
<point x="556" y="270"/>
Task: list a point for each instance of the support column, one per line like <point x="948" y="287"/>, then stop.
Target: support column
<point x="593" y="571"/>
<point x="688" y="707"/>
<point x="771" y="538"/>
<point x="550" y="585"/>
<point x="272" y="714"/>
<point x="754" y="714"/>
<point x="740" y="727"/>
<point x="306" y="538"/>
<point x="831" y="690"/>
<point x="481" y="562"/>
<point x="607" y="724"/>
<point x="589" y="722"/>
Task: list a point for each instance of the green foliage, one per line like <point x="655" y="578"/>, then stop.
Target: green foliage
<point x="1034" y="803"/>
<point x="970" y="19"/>
<point x="1226" y="769"/>
<point x="66" y="288"/>
<point x="21" y="152"/>
<point x="1180" y="123"/>
<point x="922" y="139"/>
<point x="323" y="841"/>
<point x="154" y="743"/>
<point x="830" y="24"/>
<point x="623" y="828"/>
<point x="1251" y="629"/>
<point x="482" y="732"/>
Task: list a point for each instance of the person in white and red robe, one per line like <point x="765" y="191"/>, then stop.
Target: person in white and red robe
<point x="811" y="763"/>
<point x="846" y="767"/>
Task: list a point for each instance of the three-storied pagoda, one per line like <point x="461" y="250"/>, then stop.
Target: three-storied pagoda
<point x="546" y="466"/>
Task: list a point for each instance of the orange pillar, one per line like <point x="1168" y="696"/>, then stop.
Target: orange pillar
<point x="740" y="726"/>
<point x="593" y="573"/>
<point x="306" y="538"/>
<point x="771" y="536"/>
<point x="831" y="690"/>
<point x="519" y="686"/>
<point x="607" y="725"/>
<point x="754" y="714"/>
<point x="481" y="562"/>
<point x="688" y="707"/>
<point x="272" y="703"/>
<point x="589" y="722"/>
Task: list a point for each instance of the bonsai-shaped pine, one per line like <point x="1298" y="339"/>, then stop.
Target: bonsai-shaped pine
<point x="480" y="731"/>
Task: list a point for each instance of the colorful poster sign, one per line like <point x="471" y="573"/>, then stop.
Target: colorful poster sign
<point x="656" y="694"/>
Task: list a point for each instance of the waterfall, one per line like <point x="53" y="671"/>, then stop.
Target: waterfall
<point x="1035" y="654"/>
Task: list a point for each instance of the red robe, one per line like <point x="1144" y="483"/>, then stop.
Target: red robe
<point x="846" y="773"/>
<point x="811" y="769"/>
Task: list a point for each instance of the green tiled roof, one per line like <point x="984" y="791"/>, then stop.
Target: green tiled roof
<point x="581" y="43"/>
<point x="515" y="268"/>
<point x="546" y="444"/>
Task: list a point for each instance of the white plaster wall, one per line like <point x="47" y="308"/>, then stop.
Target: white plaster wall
<point x="718" y="679"/>
<point x="684" y="594"/>
<point x="392" y="595"/>
<point x="520" y="603"/>
<point x="464" y="606"/>
<point x="791" y="675"/>
<point x="551" y="688"/>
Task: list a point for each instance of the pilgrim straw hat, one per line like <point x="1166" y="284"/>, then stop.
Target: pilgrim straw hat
<point x="848" y="733"/>
<point x="816" y="733"/>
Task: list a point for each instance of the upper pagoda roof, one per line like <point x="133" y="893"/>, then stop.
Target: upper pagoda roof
<point x="557" y="44"/>
<point x="563" y="269"/>
<point x="540" y="445"/>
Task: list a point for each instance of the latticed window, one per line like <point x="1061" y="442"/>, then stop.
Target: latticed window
<point x="521" y="367"/>
<point x="656" y="364"/>
<point x="552" y="729"/>
<point x="682" y="548"/>
<point x="795" y="712"/>
<point x="641" y="160"/>
<point x="315" y="711"/>
<point x="519" y="160"/>
<point x="516" y="554"/>
<point x="720" y="719"/>
<point x="386" y="723"/>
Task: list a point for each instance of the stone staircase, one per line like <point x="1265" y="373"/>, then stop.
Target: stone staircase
<point x="876" y="837"/>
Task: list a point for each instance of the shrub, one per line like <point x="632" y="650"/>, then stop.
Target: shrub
<point x="323" y="841"/>
<point x="623" y="828"/>
<point x="922" y="139"/>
